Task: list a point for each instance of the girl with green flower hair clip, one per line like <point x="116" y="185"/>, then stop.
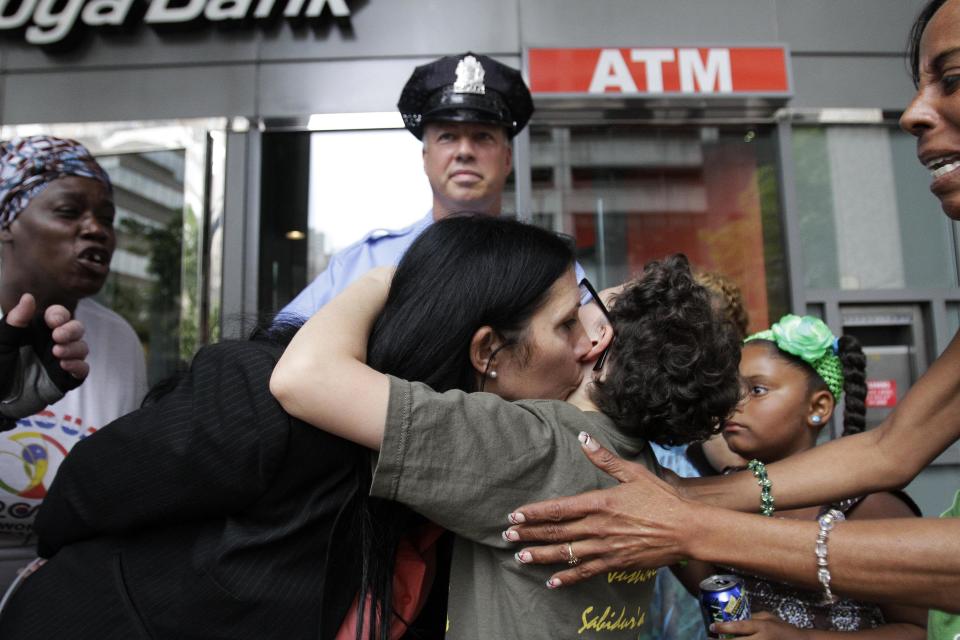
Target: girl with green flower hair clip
<point x="794" y="373"/>
<point x="810" y="340"/>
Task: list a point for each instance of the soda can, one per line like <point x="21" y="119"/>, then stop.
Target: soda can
<point x="722" y="599"/>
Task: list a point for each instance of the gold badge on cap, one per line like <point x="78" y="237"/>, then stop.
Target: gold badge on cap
<point x="469" y="77"/>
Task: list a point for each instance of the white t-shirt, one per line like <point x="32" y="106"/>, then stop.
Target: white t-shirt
<point x="31" y="453"/>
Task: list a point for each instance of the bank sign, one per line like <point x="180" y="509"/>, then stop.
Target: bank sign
<point x="48" y="22"/>
<point x="653" y="71"/>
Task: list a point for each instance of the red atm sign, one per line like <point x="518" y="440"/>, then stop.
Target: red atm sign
<point x="881" y="393"/>
<point x="649" y="71"/>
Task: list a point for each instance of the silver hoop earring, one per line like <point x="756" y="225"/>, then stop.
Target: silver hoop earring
<point x="816" y="419"/>
<point x="493" y="375"/>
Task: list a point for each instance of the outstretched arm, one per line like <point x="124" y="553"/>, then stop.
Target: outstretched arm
<point x="766" y="626"/>
<point x="887" y="457"/>
<point x="924" y="424"/>
<point x="323" y="378"/>
<point x="645" y="523"/>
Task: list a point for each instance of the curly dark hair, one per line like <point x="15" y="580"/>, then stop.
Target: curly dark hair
<point x="673" y="376"/>
<point x="727" y="298"/>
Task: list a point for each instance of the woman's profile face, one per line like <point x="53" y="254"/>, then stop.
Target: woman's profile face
<point x="548" y="363"/>
<point x="934" y="114"/>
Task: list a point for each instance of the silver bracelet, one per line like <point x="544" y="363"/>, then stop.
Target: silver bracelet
<point x="826" y="522"/>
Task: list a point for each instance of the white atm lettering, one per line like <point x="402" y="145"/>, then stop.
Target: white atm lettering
<point x="612" y="73"/>
<point x="653" y="60"/>
<point x="697" y="75"/>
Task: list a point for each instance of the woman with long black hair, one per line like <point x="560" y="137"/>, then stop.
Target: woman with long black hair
<point x="461" y="457"/>
<point x="212" y="513"/>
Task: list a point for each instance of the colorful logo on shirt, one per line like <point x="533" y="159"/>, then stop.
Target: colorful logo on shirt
<point x="35" y="454"/>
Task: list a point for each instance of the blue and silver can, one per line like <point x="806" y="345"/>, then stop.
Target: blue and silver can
<point x="722" y="599"/>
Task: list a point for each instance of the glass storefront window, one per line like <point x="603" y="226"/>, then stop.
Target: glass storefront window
<point x="323" y="191"/>
<point x="360" y="181"/>
<point x="153" y="238"/>
<point x="168" y="192"/>
<point x="630" y="194"/>
<point x="867" y="219"/>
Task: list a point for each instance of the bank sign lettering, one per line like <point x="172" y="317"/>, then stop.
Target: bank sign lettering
<point x="48" y="22"/>
<point x="649" y="71"/>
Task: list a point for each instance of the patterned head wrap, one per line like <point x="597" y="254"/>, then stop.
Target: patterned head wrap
<point x="28" y="165"/>
<point x="811" y="340"/>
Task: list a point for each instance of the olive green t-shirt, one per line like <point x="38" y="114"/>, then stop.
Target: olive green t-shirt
<point x="467" y="460"/>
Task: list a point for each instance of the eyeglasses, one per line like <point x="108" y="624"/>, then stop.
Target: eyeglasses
<point x="585" y="284"/>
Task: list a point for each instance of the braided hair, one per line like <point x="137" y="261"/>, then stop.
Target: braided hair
<point x="854" y="384"/>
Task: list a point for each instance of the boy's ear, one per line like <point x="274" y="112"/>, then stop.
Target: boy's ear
<point x="821" y="406"/>
<point x="600" y="344"/>
<point x="598" y="329"/>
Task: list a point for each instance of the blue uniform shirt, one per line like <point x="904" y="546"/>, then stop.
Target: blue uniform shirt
<point x="380" y="248"/>
<point x="674" y="614"/>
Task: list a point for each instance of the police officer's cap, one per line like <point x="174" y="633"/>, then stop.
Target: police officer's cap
<point x="465" y="88"/>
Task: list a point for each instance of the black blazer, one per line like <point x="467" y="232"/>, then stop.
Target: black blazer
<point x="210" y="514"/>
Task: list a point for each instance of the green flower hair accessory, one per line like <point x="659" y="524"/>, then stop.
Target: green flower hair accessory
<point x="811" y="340"/>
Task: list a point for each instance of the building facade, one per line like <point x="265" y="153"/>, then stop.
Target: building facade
<point x="251" y="140"/>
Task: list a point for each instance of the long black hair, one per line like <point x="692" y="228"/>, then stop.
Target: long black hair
<point x="916" y="33"/>
<point x="462" y="273"/>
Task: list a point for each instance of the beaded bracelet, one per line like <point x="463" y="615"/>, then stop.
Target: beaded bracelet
<point x="826" y="522"/>
<point x="766" y="498"/>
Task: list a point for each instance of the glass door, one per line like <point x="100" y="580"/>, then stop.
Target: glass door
<point x="631" y="193"/>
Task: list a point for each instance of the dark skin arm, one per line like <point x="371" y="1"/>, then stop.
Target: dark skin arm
<point x="901" y="622"/>
<point x="888" y="457"/>
<point x="647" y="523"/>
<point x="923" y="425"/>
<point x="620" y="529"/>
<point x="766" y="626"/>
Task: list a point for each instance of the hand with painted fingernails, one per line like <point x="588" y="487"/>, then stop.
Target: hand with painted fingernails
<point x="635" y="524"/>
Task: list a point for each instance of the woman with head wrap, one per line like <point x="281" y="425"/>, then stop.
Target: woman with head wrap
<point x="56" y="242"/>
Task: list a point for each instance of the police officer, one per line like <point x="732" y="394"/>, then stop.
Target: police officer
<point x="466" y="109"/>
